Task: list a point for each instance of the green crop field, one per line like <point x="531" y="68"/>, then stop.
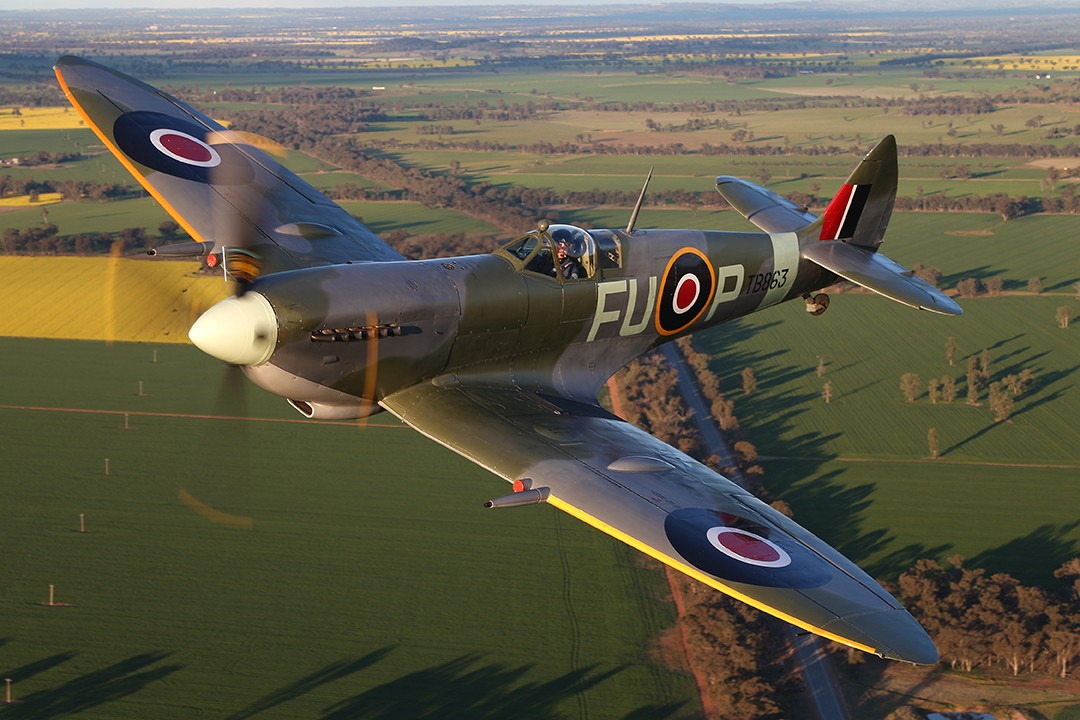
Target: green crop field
<point x="85" y="216"/>
<point x="857" y="470"/>
<point x="371" y="583"/>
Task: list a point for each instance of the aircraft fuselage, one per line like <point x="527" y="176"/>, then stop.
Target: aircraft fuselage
<point x="348" y="335"/>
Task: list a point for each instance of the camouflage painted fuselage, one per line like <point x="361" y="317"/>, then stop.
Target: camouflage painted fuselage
<point x="491" y="316"/>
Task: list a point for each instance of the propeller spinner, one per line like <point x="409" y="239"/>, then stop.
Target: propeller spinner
<point x="240" y="330"/>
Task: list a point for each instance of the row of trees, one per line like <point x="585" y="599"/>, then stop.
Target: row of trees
<point x="46" y="240"/>
<point x="977" y="619"/>
<point x="42" y="157"/>
<point x="736" y="653"/>
<point x="70" y="189"/>
<point x="984" y="620"/>
<point x="941" y="105"/>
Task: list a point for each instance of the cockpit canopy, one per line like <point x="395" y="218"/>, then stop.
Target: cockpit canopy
<point x="566" y="252"/>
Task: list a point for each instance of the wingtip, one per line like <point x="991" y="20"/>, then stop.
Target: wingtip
<point x="65" y="61"/>
<point x="893" y="634"/>
<point x="943" y="305"/>
<point x="885" y="147"/>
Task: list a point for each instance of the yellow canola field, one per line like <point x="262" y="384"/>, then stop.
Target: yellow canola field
<point x="23" y="201"/>
<point x="100" y="298"/>
<point x="42" y="118"/>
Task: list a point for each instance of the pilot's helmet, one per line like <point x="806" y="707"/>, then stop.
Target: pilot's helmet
<point x="570" y="238"/>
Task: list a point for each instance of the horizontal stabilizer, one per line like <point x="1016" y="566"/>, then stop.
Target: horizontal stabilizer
<point x="769" y="211"/>
<point x="878" y="273"/>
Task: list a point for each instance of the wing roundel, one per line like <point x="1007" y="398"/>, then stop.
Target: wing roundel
<point x="216" y="183"/>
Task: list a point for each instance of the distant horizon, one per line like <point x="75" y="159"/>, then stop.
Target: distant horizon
<point x="20" y="5"/>
<point x="872" y="6"/>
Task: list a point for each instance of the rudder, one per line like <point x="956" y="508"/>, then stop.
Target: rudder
<point x="860" y="212"/>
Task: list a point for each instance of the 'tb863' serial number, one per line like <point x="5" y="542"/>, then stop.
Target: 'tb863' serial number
<point x="761" y="282"/>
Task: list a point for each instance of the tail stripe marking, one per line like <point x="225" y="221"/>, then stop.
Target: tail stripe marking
<point x="842" y="215"/>
<point x="854" y="211"/>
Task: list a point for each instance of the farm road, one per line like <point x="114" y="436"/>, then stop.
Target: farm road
<point x="814" y="665"/>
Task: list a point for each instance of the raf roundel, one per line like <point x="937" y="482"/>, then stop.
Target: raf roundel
<point x="185" y="148"/>
<point x="748" y="547"/>
<point x="738" y="549"/>
<point x="178" y="147"/>
<point x="685" y="292"/>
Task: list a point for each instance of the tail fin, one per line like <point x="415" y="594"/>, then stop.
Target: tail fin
<point x="860" y="212"/>
<point x="845" y="239"/>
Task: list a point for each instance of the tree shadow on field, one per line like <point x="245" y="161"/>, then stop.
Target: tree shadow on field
<point x="1063" y="285"/>
<point x="94" y="689"/>
<point x="1027" y="407"/>
<point x="465" y="689"/>
<point x="1032" y="559"/>
<point x="323" y="676"/>
<point x="36" y="667"/>
<point x="836" y="513"/>
<point x="983" y="272"/>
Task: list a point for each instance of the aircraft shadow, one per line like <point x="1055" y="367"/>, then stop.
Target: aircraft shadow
<point x="94" y="689"/>
<point x="330" y="673"/>
<point x="467" y="688"/>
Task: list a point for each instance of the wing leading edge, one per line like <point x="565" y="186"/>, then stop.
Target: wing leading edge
<point x="630" y="485"/>
<point x="215" y="183"/>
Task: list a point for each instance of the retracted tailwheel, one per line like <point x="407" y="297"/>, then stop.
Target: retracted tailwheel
<point x="817" y="304"/>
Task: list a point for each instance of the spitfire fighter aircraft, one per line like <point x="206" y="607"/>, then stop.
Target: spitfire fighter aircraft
<point x="500" y="357"/>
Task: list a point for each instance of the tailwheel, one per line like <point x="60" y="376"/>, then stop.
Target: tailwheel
<point x="817" y="304"/>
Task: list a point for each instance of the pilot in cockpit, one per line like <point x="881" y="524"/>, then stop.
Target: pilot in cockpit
<point x="567" y="251"/>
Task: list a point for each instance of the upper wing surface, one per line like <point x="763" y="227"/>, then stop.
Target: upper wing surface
<point x="215" y="183"/>
<point x="761" y="206"/>
<point x="640" y="490"/>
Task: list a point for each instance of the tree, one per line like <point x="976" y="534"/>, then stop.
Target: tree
<point x="746" y="451"/>
<point x="933" y="388"/>
<point x="724" y="412"/>
<point x="1001" y="402"/>
<point x="970" y="287"/>
<point x="984" y="364"/>
<point x="948" y="388"/>
<point x="168" y="230"/>
<point x="1063" y="314"/>
<point x="950" y="350"/>
<point x="932" y="442"/>
<point x="911" y="386"/>
<point x="749" y="382"/>
<point x="1035" y="285"/>
<point x="826" y="392"/>
<point x="820" y="366"/>
<point x="995" y="285"/>
<point x="974" y="380"/>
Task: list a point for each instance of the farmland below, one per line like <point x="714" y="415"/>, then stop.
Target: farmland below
<point x="274" y="567"/>
<point x="342" y="566"/>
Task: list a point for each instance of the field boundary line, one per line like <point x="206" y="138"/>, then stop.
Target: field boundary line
<point x="195" y="416"/>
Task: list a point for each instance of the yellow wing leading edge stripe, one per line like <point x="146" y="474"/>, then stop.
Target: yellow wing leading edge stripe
<point x="128" y="165"/>
<point x="698" y="575"/>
